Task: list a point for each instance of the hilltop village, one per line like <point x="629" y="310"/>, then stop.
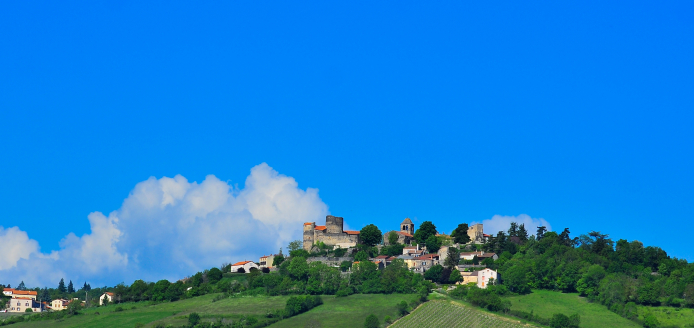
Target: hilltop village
<point x="321" y="241"/>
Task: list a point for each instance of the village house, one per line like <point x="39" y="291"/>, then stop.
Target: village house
<point x="266" y="261"/>
<point x="21" y="304"/>
<point x="245" y="265"/>
<point x="409" y="260"/>
<point x="480" y="255"/>
<point x="59" y="304"/>
<point x="412" y="251"/>
<point x="480" y="278"/>
<point x="106" y="296"/>
<point x="20" y="293"/>
<point x="425" y="262"/>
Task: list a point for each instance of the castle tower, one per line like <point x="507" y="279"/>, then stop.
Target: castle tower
<point x="309" y="235"/>
<point x="333" y="224"/>
<point x="476" y="233"/>
<point x="407" y="226"/>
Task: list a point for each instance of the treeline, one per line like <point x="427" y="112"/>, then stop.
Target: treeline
<point x="619" y="274"/>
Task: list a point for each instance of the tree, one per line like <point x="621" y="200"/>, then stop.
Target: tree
<point x="21" y="286"/>
<point x="295" y="246"/>
<point x="370" y="235"/>
<point x="85" y="287"/>
<point x="393" y="238"/>
<point x="214" y="275"/>
<point x="70" y="287"/>
<point x="650" y="321"/>
<point x="452" y="258"/>
<point x="402" y="308"/>
<point x="455" y="276"/>
<point x="278" y="259"/>
<point x="372" y="322"/>
<point x="513" y="229"/>
<point x="564" y="237"/>
<point x="433" y="244"/>
<point x="45" y="295"/>
<point x="61" y="286"/>
<point x="361" y="256"/>
<point x="434" y="273"/>
<point x="541" y="232"/>
<point x="193" y="319"/>
<point x="426" y="229"/>
<point x="522" y="233"/>
<point x="460" y="235"/>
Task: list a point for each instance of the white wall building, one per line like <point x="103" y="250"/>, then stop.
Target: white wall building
<point x="246" y="265"/>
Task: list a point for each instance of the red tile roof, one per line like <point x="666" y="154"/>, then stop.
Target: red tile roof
<point x="240" y="263"/>
<point x="404" y="234"/>
<point x="427" y="257"/>
<point x="24" y="292"/>
<point x="382" y="257"/>
<point x="308" y="223"/>
<point x="350" y="232"/>
<point x="320" y="228"/>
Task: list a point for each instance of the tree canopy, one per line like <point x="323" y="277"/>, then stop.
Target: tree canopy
<point x="460" y="235"/>
<point x="426" y="230"/>
<point x="370" y="235"/>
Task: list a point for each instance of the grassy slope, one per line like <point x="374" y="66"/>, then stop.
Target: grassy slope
<point x="446" y="313"/>
<point x="547" y="303"/>
<point x="669" y="316"/>
<point x="174" y="313"/>
<point x="348" y="311"/>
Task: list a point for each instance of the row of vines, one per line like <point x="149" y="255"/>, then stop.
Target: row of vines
<point x="447" y="314"/>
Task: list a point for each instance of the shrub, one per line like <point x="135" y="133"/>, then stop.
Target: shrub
<point x="371" y="322"/>
<point x="301" y="304"/>
<point x="402" y="308"/>
<point x="265" y="270"/>
<point x="28" y="310"/>
<point x="193" y="319"/>
<point x="118" y="309"/>
<point x="388" y="319"/>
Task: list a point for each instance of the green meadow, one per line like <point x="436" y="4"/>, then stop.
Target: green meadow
<point x="547" y="303"/>
<point x="335" y="312"/>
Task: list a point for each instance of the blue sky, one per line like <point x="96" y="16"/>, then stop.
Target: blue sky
<point x="579" y="114"/>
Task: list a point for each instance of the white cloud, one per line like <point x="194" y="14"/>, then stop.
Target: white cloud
<point x="168" y="228"/>
<point x="503" y="222"/>
<point x="15" y="245"/>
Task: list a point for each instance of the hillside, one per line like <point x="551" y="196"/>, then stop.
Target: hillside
<point x="443" y="313"/>
<point x="547" y="303"/>
<point x="335" y="312"/>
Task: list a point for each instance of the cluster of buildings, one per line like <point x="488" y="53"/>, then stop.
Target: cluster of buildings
<point x="417" y="259"/>
<point x="21" y="300"/>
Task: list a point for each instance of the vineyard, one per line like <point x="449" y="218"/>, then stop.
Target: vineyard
<point x="448" y="314"/>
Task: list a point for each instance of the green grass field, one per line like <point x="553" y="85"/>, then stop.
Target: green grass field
<point x="669" y="316"/>
<point x="443" y="313"/>
<point x="347" y="312"/>
<point x="335" y="312"/>
<point x="547" y="303"/>
<point x="168" y="313"/>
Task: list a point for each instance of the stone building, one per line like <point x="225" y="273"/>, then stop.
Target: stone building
<point x="331" y="234"/>
<point x="405" y="235"/>
<point x="476" y="233"/>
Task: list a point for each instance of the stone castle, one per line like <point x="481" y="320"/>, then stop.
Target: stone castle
<point x="332" y="234"/>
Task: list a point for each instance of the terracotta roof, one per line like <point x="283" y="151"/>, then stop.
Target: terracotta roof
<point x="406" y="221"/>
<point x="427" y="257"/>
<point x="410" y="247"/>
<point x="487" y="255"/>
<point x="403" y="233"/>
<point x="309" y="223"/>
<point x="382" y="257"/>
<point x="23" y="298"/>
<point x="320" y="227"/>
<point x="7" y="289"/>
<point x="109" y="293"/>
<point x="24" y="292"/>
<point x="264" y="256"/>
<point x="350" y="232"/>
<point x="240" y="263"/>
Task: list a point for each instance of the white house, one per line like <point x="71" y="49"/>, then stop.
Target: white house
<point x="59" y="304"/>
<point x="480" y="255"/>
<point x="245" y="265"/>
<point x="21" y="304"/>
<point x="106" y="295"/>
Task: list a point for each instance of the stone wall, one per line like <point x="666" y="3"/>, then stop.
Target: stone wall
<point x="331" y="261"/>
